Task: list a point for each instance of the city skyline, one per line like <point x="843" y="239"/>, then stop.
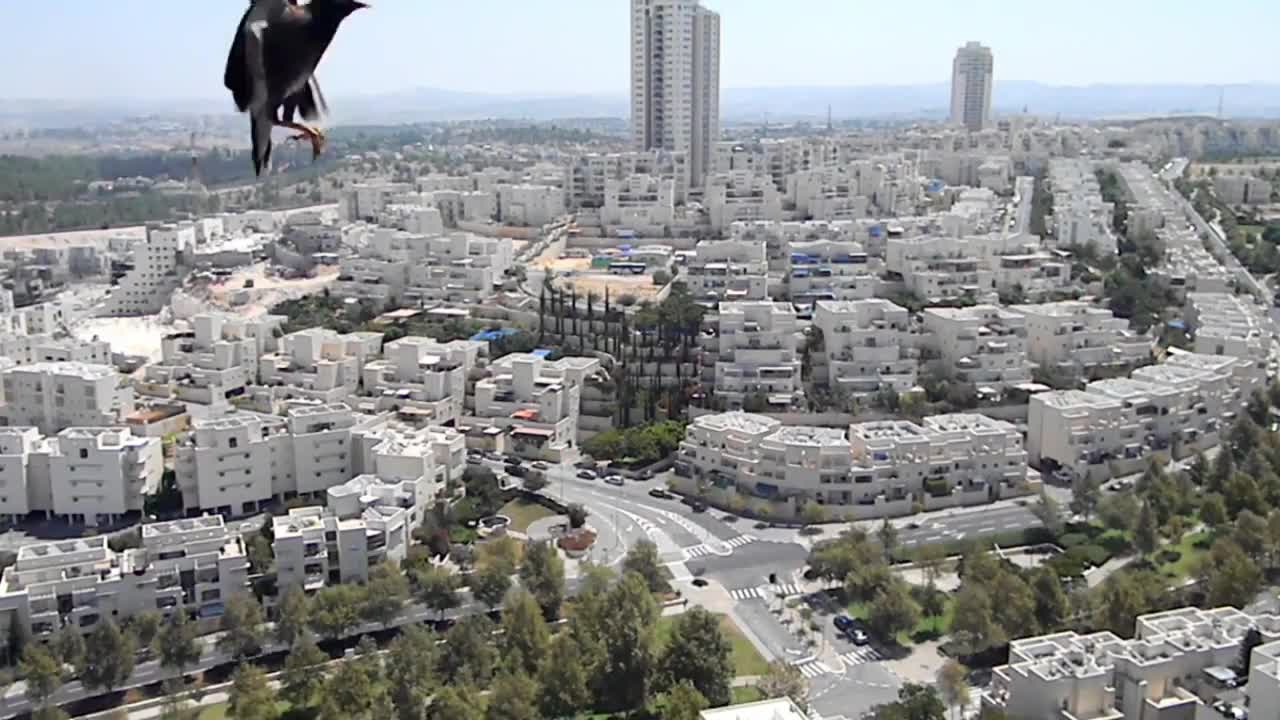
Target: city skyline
<point x="582" y="48"/>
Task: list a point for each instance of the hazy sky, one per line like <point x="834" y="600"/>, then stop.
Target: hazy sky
<point x="177" y="48"/>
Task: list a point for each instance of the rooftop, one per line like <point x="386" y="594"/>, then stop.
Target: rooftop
<point x="748" y="423"/>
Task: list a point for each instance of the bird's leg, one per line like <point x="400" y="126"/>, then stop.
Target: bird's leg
<point x="306" y="133"/>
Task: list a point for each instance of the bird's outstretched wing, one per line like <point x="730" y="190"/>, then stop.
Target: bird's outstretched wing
<point x="246" y="73"/>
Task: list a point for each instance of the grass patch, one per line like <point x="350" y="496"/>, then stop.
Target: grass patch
<point x="524" y="513"/>
<point x="929" y="628"/>
<point x="745" y="658"/>
<point x="1190" y="549"/>
<point x="746" y="694"/>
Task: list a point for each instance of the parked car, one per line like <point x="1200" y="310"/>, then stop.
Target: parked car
<point x="614" y="480"/>
<point x="540" y="465"/>
<point x="660" y="494"/>
<point x="586" y="474"/>
<point x="844" y="623"/>
<point x="859" y="637"/>
<point x="699" y="506"/>
<point x="645" y="475"/>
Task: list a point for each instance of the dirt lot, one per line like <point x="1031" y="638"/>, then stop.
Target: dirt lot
<point x="640" y="286"/>
<point x="268" y="290"/>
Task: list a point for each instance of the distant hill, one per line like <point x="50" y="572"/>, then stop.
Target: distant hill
<point x="737" y="104"/>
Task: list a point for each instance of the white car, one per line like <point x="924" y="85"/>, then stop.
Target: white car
<point x="615" y="480"/>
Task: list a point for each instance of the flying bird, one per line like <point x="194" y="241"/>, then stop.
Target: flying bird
<point x="271" y="68"/>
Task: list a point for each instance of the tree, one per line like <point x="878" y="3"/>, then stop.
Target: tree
<point x="1251" y="534"/>
<point x="629" y="661"/>
<point x="892" y="611"/>
<point x="457" y="703"/>
<point x="812" y="514"/>
<point x="562" y="680"/>
<point x="241" y="627"/>
<point x="411" y="672"/>
<point x="1228" y="576"/>
<point x="542" y="574"/>
<point x="388" y="591"/>
<point x="335" y="610"/>
<point x="524" y="633"/>
<point x="109" y="657"/>
<point x="1146" y="535"/>
<point x="577" y="515"/>
<point x="437" y="588"/>
<point x="1252" y="639"/>
<point x="973" y="624"/>
<point x="251" y="698"/>
<point x="471" y="657"/>
<point x="42" y="671"/>
<point x="888" y="536"/>
<point x="1051" y="601"/>
<point x="1121" y="600"/>
<point x="489" y="585"/>
<point x="1015" y="609"/>
<point x="783" y="679"/>
<point x="953" y="684"/>
<point x="68" y="646"/>
<point x="177" y="645"/>
<point x="50" y="713"/>
<point x="1213" y="510"/>
<point x="698" y="652"/>
<point x="684" y="702"/>
<point x="915" y="702"/>
<point x="354" y="690"/>
<point x="930" y="559"/>
<point x="1086" y="492"/>
<point x="1118" y="511"/>
<point x="1048" y="513"/>
<point x="503" y="552"/>
<point x="292" y="616"/>
<point x="514" y="696"/>
<point x="642" y="559"/>
<point x="304" y="674"/>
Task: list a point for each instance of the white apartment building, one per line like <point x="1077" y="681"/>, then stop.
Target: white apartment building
<point x="1080" y="216"/>
<point x="639" y="201"/>
<point x="589" y="175"/>
<point x="1174" y="667"/>
<point x="55" y="396"/>
<point x="1228" y="324"/>
<point x="238" y="464"/>
<point x="937" y="267"/>
<point x="159" y="265"/>
<point x="869" y="345"/>
<point x="741" y="196"/>
<point x="367" y="521"/>
<point x="27" y="348"/>
<point x="214" y="361"/>
<point x="530" y="205"/>
<point x="536" y="401"/>
<point x="1114" y="426"/>
<point x="394" y="447"/>
<point x="85" y="476"/>
<point x="189" y="566"/>
<point x="757" y="356"/>
<point x="1080" y="337"/>
<point x="1242" y="190"/>
<point x="983" y="344"/>
<point x="423" y="376"/>
<point x="829" y="193"/>
<point x="675" y="80"/>
<point x="779" y="709"/>
<point x="874" y="469"/>
<point x="459" y="267"/>
<point x="972" y="78"/>
<point x="838" y="270"/>
<point x="728" y="270"/>
<point x="1189" y="268"/>
<point x="318" y="364"/>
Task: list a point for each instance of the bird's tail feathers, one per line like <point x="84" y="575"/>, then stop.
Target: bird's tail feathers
<point x="261" y="131"/>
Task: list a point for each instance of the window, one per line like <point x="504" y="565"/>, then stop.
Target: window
<point x="233" y="442"/>
<point x="84" y="454"/>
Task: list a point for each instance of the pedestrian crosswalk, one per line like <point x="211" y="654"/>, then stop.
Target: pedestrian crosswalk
<point x="764" y="592"/>
<point x="703" y="549"/>
<point x="813" y="668"/>
<point x="861" y="655"/>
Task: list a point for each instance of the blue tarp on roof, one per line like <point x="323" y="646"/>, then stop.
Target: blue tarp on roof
<point x="542" y="353"/>
<point x="875" y="231"/>
<point x="493" y="335"/>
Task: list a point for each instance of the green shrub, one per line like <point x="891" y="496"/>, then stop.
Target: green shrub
<point x="1071" y="540"/>
<point x="1095" y="554"/>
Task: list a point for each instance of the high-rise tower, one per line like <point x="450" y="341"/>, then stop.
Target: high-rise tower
<point x="972" y="76"/>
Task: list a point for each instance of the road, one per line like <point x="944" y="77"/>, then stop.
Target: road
<point x="1025" y="191"/>
<point x="969" y="525"/>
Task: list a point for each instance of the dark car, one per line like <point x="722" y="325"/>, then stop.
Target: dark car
<point x="660" y="494"/>
<point x="699" y="506"/>
<point x="844" y="623"/>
